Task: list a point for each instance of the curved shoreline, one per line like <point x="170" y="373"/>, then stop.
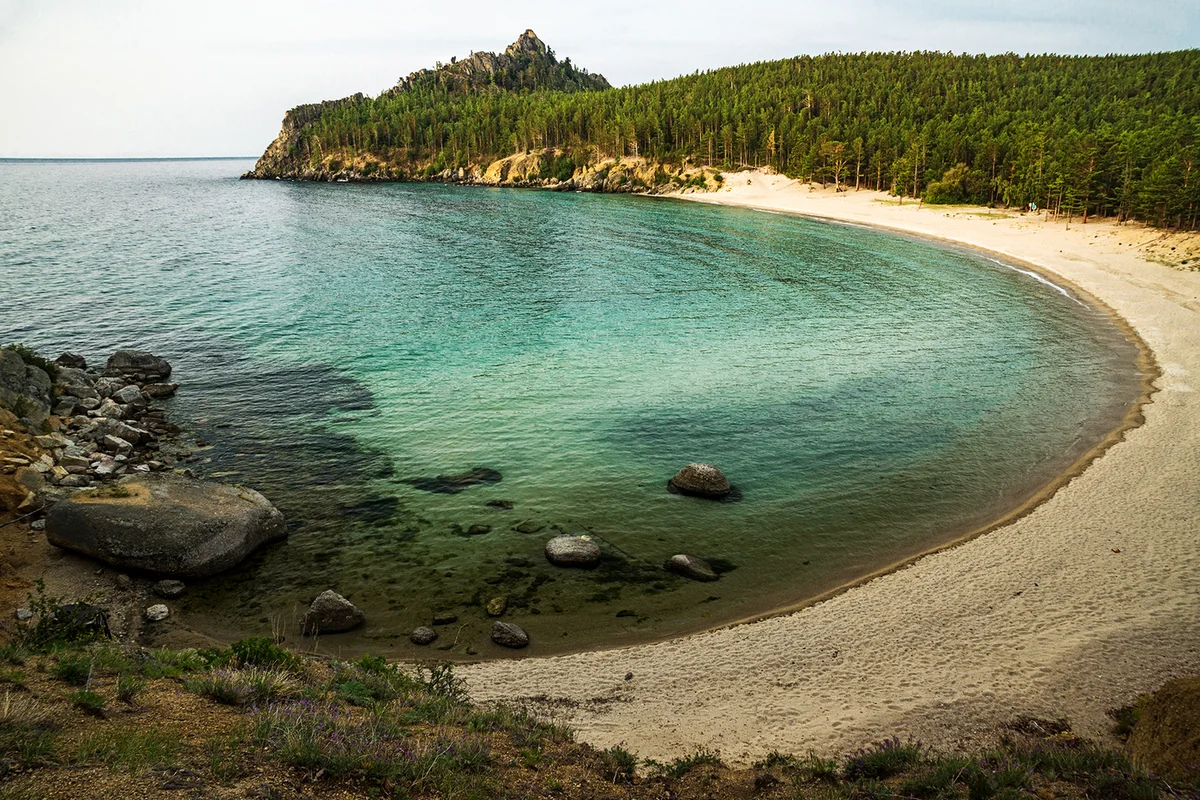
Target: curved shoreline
<point x="727" y="688"/>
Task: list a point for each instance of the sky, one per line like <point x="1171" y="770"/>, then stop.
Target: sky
<point x="169" y="78"/>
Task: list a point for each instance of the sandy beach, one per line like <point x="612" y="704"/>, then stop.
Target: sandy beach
<point x="1072" y="610"/>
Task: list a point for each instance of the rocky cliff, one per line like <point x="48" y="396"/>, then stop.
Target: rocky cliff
<point x="526" y="65"/>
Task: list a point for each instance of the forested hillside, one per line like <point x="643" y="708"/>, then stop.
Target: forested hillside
<point x="1099" y="135"/>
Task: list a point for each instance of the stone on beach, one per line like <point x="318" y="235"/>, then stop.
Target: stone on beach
<point x="166" y="524"/>
<point x="690" y="567"/>
<point x="506" y="634"/>
<point x="331" y="613"/>
<point x="572" y="551"/>
<point x="700" y="480"/>
<point x="157" y="612"/>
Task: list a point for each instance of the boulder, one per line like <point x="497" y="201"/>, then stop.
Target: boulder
<point x="423" y="635"/>
<point x="572" y="551"/>
<point x="110" y="409"/>
<point x="166" y="524"/>
<point x="139" y="362"/>
<point x="71" y="361"/>
<point x="506" y="634"/>
<point x="158" y="390"/>
<point x="24" y="388"/>
<point x="700" y="480"/>
<point x="690" y="567"/>
<point x="331" y="613"/>
<point x="130" y="395"/>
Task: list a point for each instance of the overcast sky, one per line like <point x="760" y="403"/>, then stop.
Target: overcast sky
<point x="85" y="78"/>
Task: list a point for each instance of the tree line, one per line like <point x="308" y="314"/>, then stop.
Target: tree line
<point x="1113" y="136"/>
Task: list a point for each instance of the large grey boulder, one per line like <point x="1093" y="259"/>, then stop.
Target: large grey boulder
<point x="331" y="613"/>
<point x="572" y="551"/>
<point x="166" y="524"/>
<point x="139" y="362"/>
<point x="700" y="480"/>
<point x="24" y="388"/>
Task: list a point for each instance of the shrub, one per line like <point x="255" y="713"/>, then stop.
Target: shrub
<point x="618" y="764"/>
<point x="167" y="663"/>
<point x="260" y="651"/>
<point x="88" y="702"/>
<point x="73" y="668"/>
<point x="59" y="623"/>
<point x="883" y="760"/>
<point x="129" y="687"/>
<point x="682" y="766"/>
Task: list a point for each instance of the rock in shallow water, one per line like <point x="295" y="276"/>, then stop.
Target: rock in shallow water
<point x="572" y="551"/>
<point x="331" y="613"/>
<point x="166" y="524"/>
<point x="423" y="635"/>
<point x="506" y="634"/>
<point x="700" y="480"/>
<point x="453" y="484"/>
<point x="690" y="567"/>
<point x="169" y="589"/>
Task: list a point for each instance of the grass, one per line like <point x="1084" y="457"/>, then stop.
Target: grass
<point x="129" y="750"/>
<point x="244" y="686"/>
<point x="27" y="734"/>
<point x="88" y="702"/>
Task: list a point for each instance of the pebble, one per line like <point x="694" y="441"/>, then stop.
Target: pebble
<point x="157" y="612"/>
<point x="506" y="634"/>
<point x="24" y="614"/>
<point x="445" y="618"/>
<point x="168" y="588"/>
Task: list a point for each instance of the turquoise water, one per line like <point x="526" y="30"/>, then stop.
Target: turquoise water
<point x="870" y="395"/>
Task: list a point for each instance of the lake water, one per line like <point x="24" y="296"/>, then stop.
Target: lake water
<point x="870" y="395"/>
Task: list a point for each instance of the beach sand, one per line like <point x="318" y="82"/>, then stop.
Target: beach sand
<point x="1041" y="617"/>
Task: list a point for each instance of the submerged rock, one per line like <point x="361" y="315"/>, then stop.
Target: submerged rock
<point x="331" y="613"/>
<point x="423" y="635"/>
<point x="528" y="526"/>
<point x="700" y="480"/>
<point x="496" y="606"/>
<point x="505" y="505"/>
<point x="690" y="567"/>
<point x="445" y="618"/>
<point x="572" y="551"/>
<point x="166" y="524"/>
<point x="506" y="634"/>
<point x="169" y="588"/>
<point x="453" y="484"/>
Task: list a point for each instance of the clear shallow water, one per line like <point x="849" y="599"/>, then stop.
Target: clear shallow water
<point x="871" y="395"/>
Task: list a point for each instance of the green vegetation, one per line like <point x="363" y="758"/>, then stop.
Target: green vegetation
<point x="374" y="729"/>
<point x="1110" y="135"/>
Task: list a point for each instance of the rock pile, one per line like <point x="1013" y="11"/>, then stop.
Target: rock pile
<point x="103" y="423"/>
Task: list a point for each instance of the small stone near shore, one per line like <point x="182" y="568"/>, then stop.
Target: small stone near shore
<point x="157" y="612"/>
<point x="700" y="480"/>
<point x="496" y="606"/>
<point x="478" y="530"/>
<point x="169" y="589"/>
<point x="24" y="614"/>
<point x="690" y="567"/>
<point x="423" y="635"/>
<point x="331" y="613"/>
<point x="506" y="634"/>
<point x="445" y="618"/>
<point x="155" y="391"/>
<point x="572" y="551"/>
<point x="528" y="526"/>
<point x="124" y="582"/>
<point x="71" y="361"/>
<point x="506" y="505"/>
